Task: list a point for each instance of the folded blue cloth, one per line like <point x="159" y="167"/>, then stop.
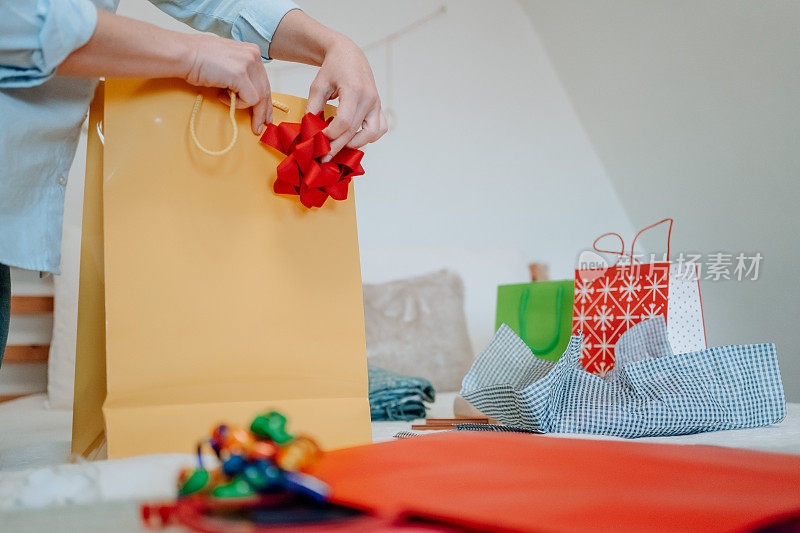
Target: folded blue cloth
<point x="396" y="397"/>
<point x="650" y="392"/>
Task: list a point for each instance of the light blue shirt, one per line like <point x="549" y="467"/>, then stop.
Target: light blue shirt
<point x="41" y="113"/>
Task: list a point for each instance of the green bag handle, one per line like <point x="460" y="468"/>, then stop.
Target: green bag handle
<point x="523" y="306"/>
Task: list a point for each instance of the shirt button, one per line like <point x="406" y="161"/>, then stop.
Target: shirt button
<point x="62" y="179"/>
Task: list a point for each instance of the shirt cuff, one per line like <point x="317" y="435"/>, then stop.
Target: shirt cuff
<point x="258" y="20"/>
<point x="63" y="26"/>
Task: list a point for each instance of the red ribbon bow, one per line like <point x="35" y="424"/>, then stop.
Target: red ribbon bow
<point x="301" y="172"/>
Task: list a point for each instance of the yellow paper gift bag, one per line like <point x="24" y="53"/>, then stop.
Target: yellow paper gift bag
<point x="205" y="297"/>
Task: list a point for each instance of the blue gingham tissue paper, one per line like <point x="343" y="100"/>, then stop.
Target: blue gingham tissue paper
<point x="650" y="392"/>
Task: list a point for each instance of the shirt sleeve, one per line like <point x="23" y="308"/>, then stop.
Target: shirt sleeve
<point x="37" y="35"/>
<point x="252" y="21"/>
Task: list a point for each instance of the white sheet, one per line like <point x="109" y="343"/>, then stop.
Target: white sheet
<point x="34" y="445"/>
<point x="31" y="435"/>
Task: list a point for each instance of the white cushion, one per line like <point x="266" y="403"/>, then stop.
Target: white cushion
<point x="482" y="269"/>
<point x="416" y="327"/>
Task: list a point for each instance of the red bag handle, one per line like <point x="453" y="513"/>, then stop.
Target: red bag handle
<point x="669" y="235"/>
<point x="621" y="252"/>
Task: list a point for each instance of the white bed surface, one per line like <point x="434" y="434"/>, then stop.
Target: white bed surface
<point x="34" y="446"/>
<point x="31" y="435"/>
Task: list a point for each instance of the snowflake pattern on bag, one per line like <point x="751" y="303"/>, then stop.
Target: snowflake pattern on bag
<point x="609" y="301"/>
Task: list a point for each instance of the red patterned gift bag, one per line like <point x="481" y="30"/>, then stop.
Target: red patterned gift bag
<point x="610" y="300"/>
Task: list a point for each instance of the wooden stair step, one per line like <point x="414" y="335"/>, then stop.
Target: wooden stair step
<point x="31" y="305"/>
<point x="9" y="397"/>
<point x="26" y="353"/>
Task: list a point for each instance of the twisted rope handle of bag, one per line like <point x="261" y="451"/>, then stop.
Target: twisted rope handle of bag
<point x="523" y="330"/>
<point x="231" y="115"/>
<point x="621" y="252"/>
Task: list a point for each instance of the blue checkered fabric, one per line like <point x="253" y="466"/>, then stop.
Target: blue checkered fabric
<point x="645" y="340"/>
<point x="651" y="392"/>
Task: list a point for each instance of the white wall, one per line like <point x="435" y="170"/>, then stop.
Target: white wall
<point x="487" y="167"/>
<point x="694" y="108"/>
<point x="486" y="157"/>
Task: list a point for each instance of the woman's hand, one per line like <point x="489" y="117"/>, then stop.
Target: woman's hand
<point x="232" y="65"/>
<point x="346" y="74"/>
<point x="126" y="48"/>
<point x="123" y="47"/>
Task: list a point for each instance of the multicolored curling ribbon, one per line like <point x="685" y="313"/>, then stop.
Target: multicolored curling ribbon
<point x="302" y="173"/>
<point x="264" y="459"/>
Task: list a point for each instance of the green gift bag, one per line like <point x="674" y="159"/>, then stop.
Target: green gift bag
<point x="539" y="312"/>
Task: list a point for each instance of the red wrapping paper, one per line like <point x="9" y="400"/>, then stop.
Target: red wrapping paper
<point x="494" y="481"/>
<point x="302" y="173"/>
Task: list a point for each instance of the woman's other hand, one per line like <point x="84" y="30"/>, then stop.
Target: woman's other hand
<point x="344" y="74"/>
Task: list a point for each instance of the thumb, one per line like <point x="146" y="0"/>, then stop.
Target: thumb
<point x="317" y="96"/>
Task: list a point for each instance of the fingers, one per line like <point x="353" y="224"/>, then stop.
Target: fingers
<point x="231" y="65"/>
<point x="225" y="97"/>
<point x="262" y="111"/>
<point x="246" y="94"/>
<point x="345" y="74"/>
<point x="247" y="76"/>
<point x="252" y="78"/>
<point x="250" y="83"/>
<point x="345" y="124"/>
<point x="373" y="129"/>
<point x="259" y="117"/>
<point x="317" y="96"/>
<point x="258" y="77"/>
<point x="384" y="126"/>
